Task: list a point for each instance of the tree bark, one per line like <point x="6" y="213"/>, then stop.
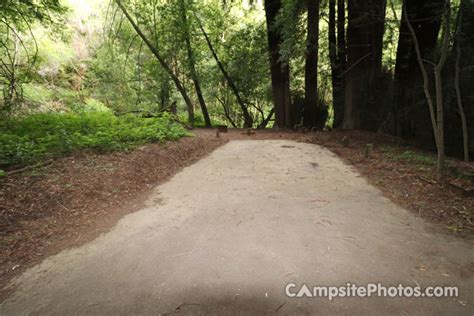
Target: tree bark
<point x="314" y="115"/>
<point x="410" y="111"/>
<point x="439" y="90"/>
<point x="332" y="45"/>
<point x="466" y="73"/>
<point x="364" y="63"/>
<point x="280" y="72"/>
<point x="337" y="46"/>
<point x="357" y="62"/>
<point x="457" y="86"/>
<point x="437" y="119"/>
<point x="162" y="62"/>
<point x="341" y="34"/>
<point x="337" y="56"/>
<point x="266" y="120"/>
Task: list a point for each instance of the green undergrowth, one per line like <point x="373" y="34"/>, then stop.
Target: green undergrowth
<point x="417" y="158"/>
<point x="41" y="136"/>
<point x="426" y="161"/>
<point x="409" y="156"/>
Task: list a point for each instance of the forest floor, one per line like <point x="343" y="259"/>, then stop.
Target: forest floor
<point x="75" y="199"/>
<point x="229" y="232"/>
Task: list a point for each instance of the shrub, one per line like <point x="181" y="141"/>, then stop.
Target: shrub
<point x="40" y="136"/>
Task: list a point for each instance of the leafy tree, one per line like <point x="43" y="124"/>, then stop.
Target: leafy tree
<point x="18" y="46"/>
<point x="162" y="61"/>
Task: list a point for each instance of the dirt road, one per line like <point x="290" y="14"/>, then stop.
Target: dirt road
<point x="227" y="234"/>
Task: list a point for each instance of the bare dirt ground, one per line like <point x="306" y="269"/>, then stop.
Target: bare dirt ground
<point x="402" y="171"/>
<point x="77" y="198"/>
<point x="405" y="174"/>
<point x="226" y="234"/>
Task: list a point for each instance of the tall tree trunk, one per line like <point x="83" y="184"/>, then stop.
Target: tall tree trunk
<point x="358" y="53"/>
<point x="333" y="46"/>
<point x="280" y="72"/>
<point x="459" y="108"/>
<point x="341" y="34"/>
<point x="337" y="56"/>
<point x="372" y="109"/>
<point x="436" y="114"/>
<point x="248" y="121"/>
<point x="467" y="77"/>
<point x="192" y="64"/>
<point x="314" y="115"/>
<point x="410" y="111"/>
<point x="162" y="62"/>
<point x="457" y="86"/>
<point x="364" y="62"/>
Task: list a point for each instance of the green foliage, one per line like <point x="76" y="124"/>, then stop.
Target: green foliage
<point x="238" y="35"/>
<point x="418" y="158"/>
<point x="199" y="119"/>
<point x="2" y="173"/>
<point x="291" y="24"/>
<point x="19" y="48"/>
<point x="37" y="92"/>
<point x="93" y="105"/>
<point x="22" y="12"/>
<point x="23" y="141"/>
<point x="410" y="156"/>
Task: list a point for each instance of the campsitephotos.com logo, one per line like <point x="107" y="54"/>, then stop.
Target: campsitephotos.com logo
<point x="292" y="290"/>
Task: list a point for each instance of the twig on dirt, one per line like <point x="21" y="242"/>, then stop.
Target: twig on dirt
<point x="64" y="207"/>
<point x="186" y="253"/>
<point x="467" y="192"/>
<point x="279" y="307"/>
<point x="40" y="164"/>
<point x="178" y="309"/>
<point x="427" y="180"/>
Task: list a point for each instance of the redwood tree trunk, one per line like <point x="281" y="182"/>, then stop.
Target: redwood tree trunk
<point x="280" y="72"/>
<point x="466" y="76"/>
<point x="341" y="59"/>
<point x="372" y="108"/>
<point x="410" y="111"/>
<point x="358" y="53"/>
<point x="314" y="115"/>
<point x="459" y="108"/>
<point x="364" y="62"/>
<point x="337" y="54"/>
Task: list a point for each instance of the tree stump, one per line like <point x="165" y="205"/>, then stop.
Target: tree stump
<point x="222" y="128"/>
<point x="368" y="150"/>
<point x="345" y="141"/>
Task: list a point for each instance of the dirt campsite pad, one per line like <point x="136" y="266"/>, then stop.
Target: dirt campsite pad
<point x="229" y="232"/>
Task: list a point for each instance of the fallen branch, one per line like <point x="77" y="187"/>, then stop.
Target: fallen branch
<point x="40" y="164"/>
<point x="427" y="180"/>
<point x="466" y="192"/>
